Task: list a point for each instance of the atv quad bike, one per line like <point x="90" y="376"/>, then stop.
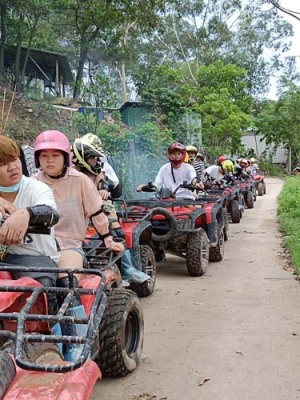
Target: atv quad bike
<point x="260" y="184"/>
<point x="248" y="190"/>
<point x="184" y="227"/>
<point x="138" y="242"/>
<point x="31" y="365"/>
<point x="234" y="200"/>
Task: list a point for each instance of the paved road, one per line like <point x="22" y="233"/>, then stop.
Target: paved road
<point x="233" y="334"/>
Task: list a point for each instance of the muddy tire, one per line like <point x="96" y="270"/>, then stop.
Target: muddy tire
<point x="197" y="253"/>
<point x="7" y="372"/>
<point x="42" y="353"/>
<point x="145" y="289"/>
<point x="226" y="227"/>
<point x="260" y="189"/>
<point x="265" y="188"/>
<point x="241" y="204"/>
<point x="235" y="212"/>
<point x="121" y="334"/>
<point x="250" y="200"/>
<point x="217" y="253"/>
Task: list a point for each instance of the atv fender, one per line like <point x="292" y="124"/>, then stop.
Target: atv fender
<point x="74" y="385"/>
<point x="212" y="210"/>
<point x="14" y="301"/>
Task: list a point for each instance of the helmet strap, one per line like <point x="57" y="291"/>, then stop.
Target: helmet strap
<point x="63" y="173"/>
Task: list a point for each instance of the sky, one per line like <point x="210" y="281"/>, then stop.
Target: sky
<point x="293" y="5"/>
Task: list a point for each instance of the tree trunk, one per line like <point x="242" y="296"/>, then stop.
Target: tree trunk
<point x="79" y="75"/>
<point x="122" y="74"/>
<point x="31" y="35"/>
<point x="17" y="75"/>
<point x="3" y="39"/>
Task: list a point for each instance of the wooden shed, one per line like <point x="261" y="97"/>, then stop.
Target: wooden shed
<point x="52" y="68"/>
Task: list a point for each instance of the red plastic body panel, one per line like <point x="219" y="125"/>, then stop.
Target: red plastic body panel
<point x="5" y="275"/>
<point x="14" y="301"/>
<point x="128" y="229"/>
<point x="75" y="385"/>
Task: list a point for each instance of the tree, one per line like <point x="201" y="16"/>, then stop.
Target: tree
<point x="279" y="122"/>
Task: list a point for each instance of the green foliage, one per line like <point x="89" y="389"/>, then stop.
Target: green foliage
<point x="271" y="169"/>
<point x="279" y="122"/>
<point x="288" y="214"/>
<point x="224" y="105"/>
<point x="162" y="90"/>
<point x="139" y="152"/>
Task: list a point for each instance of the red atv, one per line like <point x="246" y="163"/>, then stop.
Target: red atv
<point x="192" y="229"/>
<point x="234" y="199"/>
<point x="31" y="365"/>
<point x="248" y="190"/>
<point x="138" y="242"/>
<point x="260" y="184"/>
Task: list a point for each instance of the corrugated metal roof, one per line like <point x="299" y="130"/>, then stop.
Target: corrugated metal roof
<point x="46" y="61"/>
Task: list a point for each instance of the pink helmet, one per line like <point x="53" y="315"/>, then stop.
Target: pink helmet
<point x="52" y="140"/>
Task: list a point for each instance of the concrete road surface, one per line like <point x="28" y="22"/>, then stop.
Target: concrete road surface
<point x="233" y="334"/>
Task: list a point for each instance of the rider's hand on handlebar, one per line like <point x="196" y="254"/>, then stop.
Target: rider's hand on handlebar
<point x="139" y="188"/>
<point x="14" y="228"/>
<point x="199" y="185"/>
<point x="116" y="247"/>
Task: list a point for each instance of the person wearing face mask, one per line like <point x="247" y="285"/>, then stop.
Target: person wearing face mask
<point x="25" y="202"/>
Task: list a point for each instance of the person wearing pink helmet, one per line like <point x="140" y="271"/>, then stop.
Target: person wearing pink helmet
<point x="175" y="172"/>
<point x="77" y="200"/>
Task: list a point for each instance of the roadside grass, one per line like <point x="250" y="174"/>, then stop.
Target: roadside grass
<point x="288" y="217"/>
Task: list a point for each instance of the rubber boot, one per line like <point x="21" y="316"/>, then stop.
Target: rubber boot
<point x="72" y="350"/>
<point x="129" y="272"/>
<point x="56" y="330"/>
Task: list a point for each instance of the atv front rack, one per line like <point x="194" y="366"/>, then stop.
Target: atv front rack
<point x="24" y="315"/>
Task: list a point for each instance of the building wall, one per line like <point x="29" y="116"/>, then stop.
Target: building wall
<point x="248" y="140"/>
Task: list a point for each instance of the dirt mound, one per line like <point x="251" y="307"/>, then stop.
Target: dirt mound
<point x="22" y="118"/>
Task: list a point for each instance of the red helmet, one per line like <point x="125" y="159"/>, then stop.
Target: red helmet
<point x="52" y="140"/>
<point x="176" y="147"/>
<point x="221" y="159"/>
<point x="243" y="163"/>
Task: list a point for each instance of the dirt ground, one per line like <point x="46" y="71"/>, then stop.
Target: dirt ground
<point x="233" y="334"/>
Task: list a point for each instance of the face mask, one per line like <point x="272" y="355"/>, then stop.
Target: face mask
<point x="11" y="189"/>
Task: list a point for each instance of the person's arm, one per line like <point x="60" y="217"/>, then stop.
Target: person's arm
<point x="192" y="177"/>
<point x="92" y="204"/>
<point x="15" y="225"/>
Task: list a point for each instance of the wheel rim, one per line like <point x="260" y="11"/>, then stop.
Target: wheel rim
<point x="132" y="333"/>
